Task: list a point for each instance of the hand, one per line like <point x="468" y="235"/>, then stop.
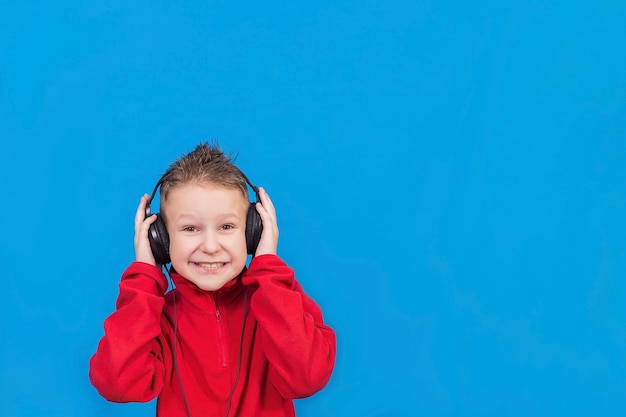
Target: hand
<point x="143" y="252"/>
<point x="269" y="237"/>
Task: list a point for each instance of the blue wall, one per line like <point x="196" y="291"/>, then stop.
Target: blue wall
<point x="449" y="178"/>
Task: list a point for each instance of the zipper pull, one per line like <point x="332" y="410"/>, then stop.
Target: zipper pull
<point x="218" y="315"/>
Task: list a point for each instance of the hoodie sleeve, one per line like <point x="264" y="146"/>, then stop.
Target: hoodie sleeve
<point x="128" y="364"/>
<point x="300" y="348"/>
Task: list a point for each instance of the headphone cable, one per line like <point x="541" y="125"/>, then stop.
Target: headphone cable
<point x="180" y="381"/>
<point x="243" y="327"/>
<point x="239" y="356"/>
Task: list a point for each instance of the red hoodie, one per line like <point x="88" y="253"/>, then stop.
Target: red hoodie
<point x="286" y="351"/>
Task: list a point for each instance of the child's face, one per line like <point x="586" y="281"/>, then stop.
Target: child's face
<point x="206" y="225"/>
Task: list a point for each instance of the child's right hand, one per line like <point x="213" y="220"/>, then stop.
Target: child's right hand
<point x="143" y="252"/>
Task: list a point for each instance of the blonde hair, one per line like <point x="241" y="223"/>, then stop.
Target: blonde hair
<point x="206" y="164"/>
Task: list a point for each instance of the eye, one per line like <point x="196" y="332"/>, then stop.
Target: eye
<point x="228" y="227"/>
<point x="189" y="229"/>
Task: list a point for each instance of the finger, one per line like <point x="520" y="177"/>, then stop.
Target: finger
<point x="140" y="215"/>
<point x="260" y="208"/>
<point x="143" y="252"/>
<point x="267" y="216"/>
<point x="267" y="202"/>
<point x="141" y="229"/>
<point x="269" y="220"/>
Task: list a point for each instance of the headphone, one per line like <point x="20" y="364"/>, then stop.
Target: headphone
<point x="160" y="240"/>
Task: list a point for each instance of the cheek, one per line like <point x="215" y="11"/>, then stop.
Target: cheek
<point x="178" y="246"/>
<point x="238" y="242"/>
<point x="240" y="238"/>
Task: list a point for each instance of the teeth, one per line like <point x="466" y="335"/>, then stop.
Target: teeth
<point x="211" y="266"/>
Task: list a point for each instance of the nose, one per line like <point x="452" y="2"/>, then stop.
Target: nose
<point x="210" y="243"/>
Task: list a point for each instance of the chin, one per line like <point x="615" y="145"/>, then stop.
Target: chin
<point x="212" y="286"/>
<point x="209" y="288"/>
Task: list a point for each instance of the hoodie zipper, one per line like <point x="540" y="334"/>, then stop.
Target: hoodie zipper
<point x="220" y="335"/>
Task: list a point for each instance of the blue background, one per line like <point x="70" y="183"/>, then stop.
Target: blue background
<point x="449" y="179"/>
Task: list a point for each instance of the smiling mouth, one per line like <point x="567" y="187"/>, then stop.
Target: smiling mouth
<point x="211" y="266"/>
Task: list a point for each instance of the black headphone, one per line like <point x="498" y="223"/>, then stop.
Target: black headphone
<point x="160" y="240"/>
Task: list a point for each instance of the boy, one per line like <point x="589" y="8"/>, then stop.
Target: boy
<point x="228" y="340"/>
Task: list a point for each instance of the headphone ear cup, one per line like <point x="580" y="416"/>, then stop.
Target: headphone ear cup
<point x="254" y="228"/>
<point x="159" y="241"/>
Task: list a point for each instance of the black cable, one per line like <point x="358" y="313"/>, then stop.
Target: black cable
<point x="180" y="381"/>
<point x="243" y="327"/>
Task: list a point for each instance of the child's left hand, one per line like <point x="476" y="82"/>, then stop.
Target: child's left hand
<point x="269" y="237"/>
